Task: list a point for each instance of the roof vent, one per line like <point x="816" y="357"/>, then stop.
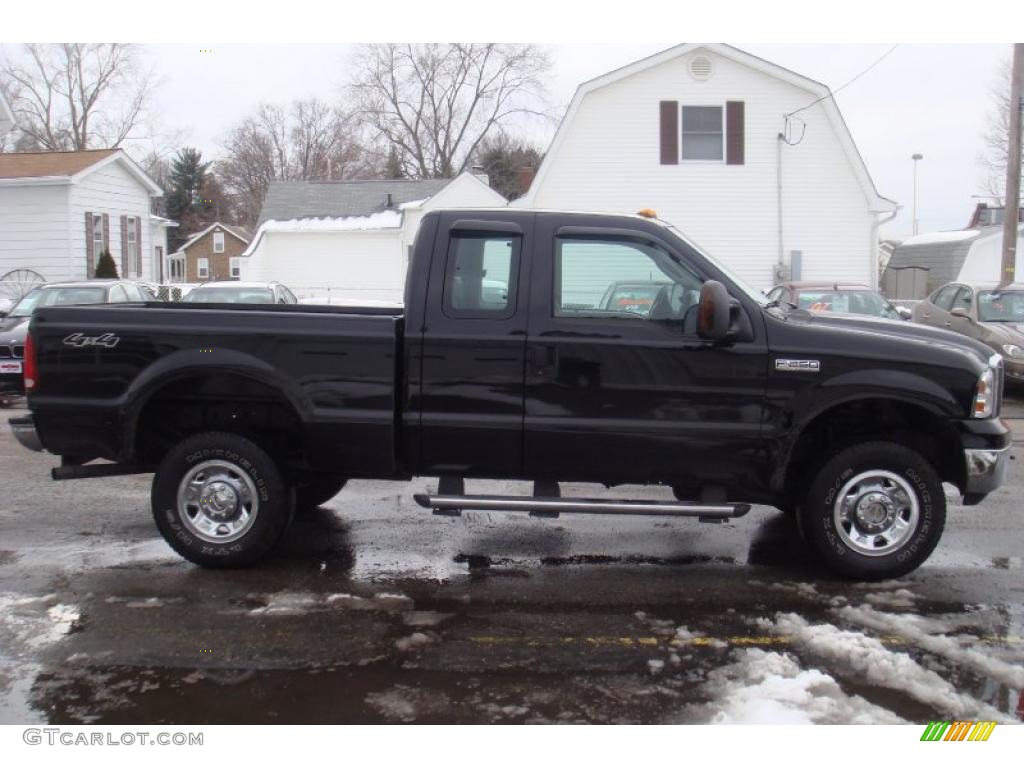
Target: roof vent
<point x="700" y="67"/>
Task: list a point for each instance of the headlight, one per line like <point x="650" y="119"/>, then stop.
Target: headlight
<point x="985" y="396"/>
<point x="1012" y="350"/>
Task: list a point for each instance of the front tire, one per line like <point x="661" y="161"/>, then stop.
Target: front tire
<point x="219" y="500"/>
<point x="875" y="511"/>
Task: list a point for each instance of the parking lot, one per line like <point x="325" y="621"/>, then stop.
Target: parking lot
<point x="378" y="612"/>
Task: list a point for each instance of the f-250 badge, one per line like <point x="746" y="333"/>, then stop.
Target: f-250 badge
<point x="107" y="340"/>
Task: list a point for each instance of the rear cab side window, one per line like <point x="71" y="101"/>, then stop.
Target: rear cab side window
<point x="481" y="274"/>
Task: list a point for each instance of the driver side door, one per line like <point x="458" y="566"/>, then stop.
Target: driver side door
<point x="629" y="392"/>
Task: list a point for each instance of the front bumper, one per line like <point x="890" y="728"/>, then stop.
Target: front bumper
<point x="24" y="429"/>
<point x="986" y="469"/>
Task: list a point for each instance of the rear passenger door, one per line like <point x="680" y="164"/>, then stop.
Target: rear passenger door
<point x="473" y="347"/>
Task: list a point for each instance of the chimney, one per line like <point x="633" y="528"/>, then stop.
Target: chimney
<point x="387" y="201"/>
<point x="524" y="178"/>
<point x="480" y="173"/>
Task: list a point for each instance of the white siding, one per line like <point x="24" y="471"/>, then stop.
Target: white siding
<point x="608" y="161"/>
<point x="116" y="192"/>
<point x="355" y="265"/>
<point x="34" y="230"/>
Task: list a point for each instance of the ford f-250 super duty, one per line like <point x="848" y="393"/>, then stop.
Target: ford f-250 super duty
<point x="507" y="363"/>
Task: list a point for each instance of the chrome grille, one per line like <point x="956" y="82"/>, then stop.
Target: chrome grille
<point x="8" y="351"/>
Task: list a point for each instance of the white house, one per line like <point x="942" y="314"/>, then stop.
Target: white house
<point x="752" y="161"/>
<point x="349" y="241"/>
<point x="60" y="210"/>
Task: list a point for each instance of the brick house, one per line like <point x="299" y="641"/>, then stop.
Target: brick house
<point x="215" y="253"/>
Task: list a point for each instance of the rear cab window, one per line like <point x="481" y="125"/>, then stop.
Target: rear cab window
<point x="480" y="274"/>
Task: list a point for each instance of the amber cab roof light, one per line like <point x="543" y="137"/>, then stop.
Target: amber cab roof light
<point x="647" y="213"/>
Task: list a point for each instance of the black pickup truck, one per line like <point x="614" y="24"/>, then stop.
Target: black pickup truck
<point x="507" y="363"/>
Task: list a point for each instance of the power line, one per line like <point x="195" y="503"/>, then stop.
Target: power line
<point x="831" y="94"/>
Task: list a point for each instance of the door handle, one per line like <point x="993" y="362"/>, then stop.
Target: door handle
<point x="949" y="323"/>
<point x="543" y="356"/>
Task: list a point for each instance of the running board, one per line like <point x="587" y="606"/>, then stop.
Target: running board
<point x="455" y="504"/>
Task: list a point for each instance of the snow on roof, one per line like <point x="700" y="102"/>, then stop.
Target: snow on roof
<point x="389" y="219"/>
<point x="383" y="220"/>
<point x="950" y="236"/>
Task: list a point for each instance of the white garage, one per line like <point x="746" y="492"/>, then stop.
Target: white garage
<point x="349" y="241"/>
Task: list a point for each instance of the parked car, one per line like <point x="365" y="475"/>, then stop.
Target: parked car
<point x="840" y="298"/>
<point x="992" y="314"/>
<point x="14" y="325"/>
<point x="236" y="292"/>
<point x="851" y="424"/>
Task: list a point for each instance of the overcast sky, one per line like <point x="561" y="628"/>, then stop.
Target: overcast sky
<point x="931" y="99"/>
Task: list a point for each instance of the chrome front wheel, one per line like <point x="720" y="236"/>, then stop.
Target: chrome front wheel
<point x="876" y="512"/>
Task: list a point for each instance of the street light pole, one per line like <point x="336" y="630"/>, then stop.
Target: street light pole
<point x="915" y="157"/>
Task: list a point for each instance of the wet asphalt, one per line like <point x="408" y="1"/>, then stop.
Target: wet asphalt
<point x="376" y="611"/>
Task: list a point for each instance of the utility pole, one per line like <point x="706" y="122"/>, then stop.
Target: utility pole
<point x="1011" y="211"/>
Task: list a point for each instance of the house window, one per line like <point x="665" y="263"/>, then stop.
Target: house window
<point x="203" y="269"/>
<point x="132" y="260"/>
<point x="176" y="269"/>
<point x="218" y="242"/>
<point x="236" y="267"/>
<point x="97" y="236"/>
<point x="703" y="133"/>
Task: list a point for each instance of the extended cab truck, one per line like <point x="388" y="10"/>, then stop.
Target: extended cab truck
<point x="506" y="364"/>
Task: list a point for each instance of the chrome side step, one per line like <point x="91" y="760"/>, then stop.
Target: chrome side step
<point x="446" y="504"/>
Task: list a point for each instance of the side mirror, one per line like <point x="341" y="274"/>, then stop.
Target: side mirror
<point x="2" y="314"/>
<point x="714" y="312"/>
<point x="904" y="312"/>
<point x="960" y="312"/>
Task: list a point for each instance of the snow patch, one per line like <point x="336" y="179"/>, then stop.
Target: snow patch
<point x="909" y="626"/>
<point x="878" y="665"/>
<point x="899" y="598"/>
<point x="769" y="687"/>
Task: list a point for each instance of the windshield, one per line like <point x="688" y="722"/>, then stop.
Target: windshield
<point x="231" y="295"/>
<point x="1001" y="306"/>
<point x="752" y="293"/>
<point x="846" y="302"/>
<point x="52" y="297"/>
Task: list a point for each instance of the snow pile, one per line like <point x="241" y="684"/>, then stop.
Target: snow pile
<point x="769" y="687"/>
<point x="914" y="630"/>
<point x="876" y="664"/>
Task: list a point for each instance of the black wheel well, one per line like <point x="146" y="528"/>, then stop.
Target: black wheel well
<point x="226" y="402"/>
<point x="870" y="419"/>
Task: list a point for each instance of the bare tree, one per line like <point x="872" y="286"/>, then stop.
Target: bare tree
<point x="995" y="137"/>
<point x="73" y="96"/>
<point x="307" y="140"/>
<point x="437" y="102"/>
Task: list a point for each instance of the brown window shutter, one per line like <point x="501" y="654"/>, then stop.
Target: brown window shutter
<point x="735" y="128"/>
<point x="126" y="267"/>
<point x="90" y="257"/>
<point x="669" y="132"/>
<point x="106" y="233"/>
<point x="138" y="247"/>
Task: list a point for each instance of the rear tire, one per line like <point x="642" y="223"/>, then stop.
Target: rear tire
<point x="317" y="491"/>
<point x="219" y="500"/>
<point x="875" y="511"/>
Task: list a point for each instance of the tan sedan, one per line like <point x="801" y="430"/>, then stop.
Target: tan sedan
<point x="984" y="311"/>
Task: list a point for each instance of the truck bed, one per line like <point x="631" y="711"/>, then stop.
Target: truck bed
<point x="101" y="367"/>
